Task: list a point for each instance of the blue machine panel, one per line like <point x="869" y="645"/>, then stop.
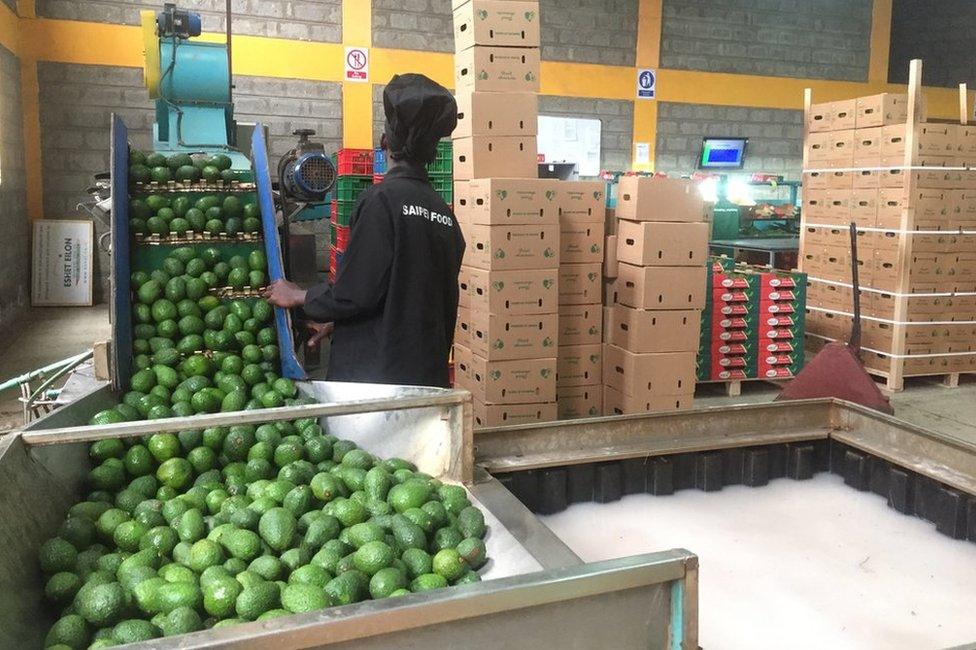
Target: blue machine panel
<point x="290" y="367"/>
<point x="121" y="304"/>
<point x="120" y="308"/>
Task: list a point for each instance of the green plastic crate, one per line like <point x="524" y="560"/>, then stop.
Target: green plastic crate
<point x="443" y="184"/>
<point x="348" y="188"/>
<point x="342" y="212"/>
<point x="444" y="163"/>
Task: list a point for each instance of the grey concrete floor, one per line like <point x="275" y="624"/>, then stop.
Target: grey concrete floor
<point x="43" y="336"/>
<point x="50" y="334"/>
<point x="924" y="402"/>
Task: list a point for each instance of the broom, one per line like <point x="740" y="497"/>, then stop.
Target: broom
<point x="837" y="371"/>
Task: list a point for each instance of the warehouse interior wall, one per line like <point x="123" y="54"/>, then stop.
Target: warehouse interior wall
<point x="819" y="39"/>
<point x="939" y="33"/>
<point x="725" y="68"/>
<point x="14" y="224"/>
<point x="775" y="136"/>
<point x="809" y="39"/>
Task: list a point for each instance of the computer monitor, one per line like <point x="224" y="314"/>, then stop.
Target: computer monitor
<point x="722" y="153"/>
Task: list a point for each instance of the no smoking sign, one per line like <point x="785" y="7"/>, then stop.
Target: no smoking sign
<point x="357" y="64"/>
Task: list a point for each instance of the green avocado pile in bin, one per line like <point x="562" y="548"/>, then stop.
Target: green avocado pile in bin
<point x="207" y="528"/>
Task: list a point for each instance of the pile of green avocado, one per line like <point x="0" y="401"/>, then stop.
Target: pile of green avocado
<point x="157" y="214"/>
<point x="158" y="168"/>
<point x="183" y="532"/>
<point x="206" y="528"/>
<point x="194" y="353"/>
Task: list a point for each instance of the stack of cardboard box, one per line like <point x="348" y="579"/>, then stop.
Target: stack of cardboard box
<point x="916" y="210"/>
<point x="579" y="374"/>
<point x="662" y="248"/>
<point x="752" y="327"/>
<point x="507" y="334"/>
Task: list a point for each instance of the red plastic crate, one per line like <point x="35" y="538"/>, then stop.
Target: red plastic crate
<point x="335" y="260"/>
<point x="354" y="162"/>
<point x="342" y="238"/>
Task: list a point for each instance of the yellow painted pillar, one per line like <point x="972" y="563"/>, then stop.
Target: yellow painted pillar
<point x="357" y="97"/>
<point x="648" y="56"/>
<point x="30" y="110"/>
<point x="880" y="41"/>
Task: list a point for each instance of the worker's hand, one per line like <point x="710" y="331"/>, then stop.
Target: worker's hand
<point x="282" y="293"/>
<point x="317" y="332"/>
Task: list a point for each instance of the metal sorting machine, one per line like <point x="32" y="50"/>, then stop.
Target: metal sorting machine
<point x="536" y="590"/>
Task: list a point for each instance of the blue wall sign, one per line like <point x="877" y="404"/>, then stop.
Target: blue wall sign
<point x="646" y="80"/>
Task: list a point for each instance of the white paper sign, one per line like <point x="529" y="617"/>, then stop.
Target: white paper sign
<point x="357" y="64"/>
<point x="643" y="154"/>
<point x="62" y="263"/>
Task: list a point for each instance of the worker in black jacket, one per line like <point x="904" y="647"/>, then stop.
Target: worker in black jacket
<point x="394" y="302"/>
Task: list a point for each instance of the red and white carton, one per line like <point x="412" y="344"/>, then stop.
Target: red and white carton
<point x="779" y="334"/>
<point x="780" y="321"/>
<point x="778" y="347"/>
<point x="777" y="308"/>
<point x="733" y="336"/>
<point x="730" y="375"/>
<point x="732" y="349"/>
<point x="776" y="281"/>
<point x="776" y="373"/>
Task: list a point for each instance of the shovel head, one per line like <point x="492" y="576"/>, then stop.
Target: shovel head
<point x="836" y="371"/>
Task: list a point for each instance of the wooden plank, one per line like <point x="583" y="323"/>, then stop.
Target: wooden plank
<point x="915" y="111"/>
<point x="963" y="105"/>
<point x="100" y="360"/>
<point x="733" y="388"/>
<point x="807" y="102"/>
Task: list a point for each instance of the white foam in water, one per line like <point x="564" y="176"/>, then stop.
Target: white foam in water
<point x="796" y="564"/>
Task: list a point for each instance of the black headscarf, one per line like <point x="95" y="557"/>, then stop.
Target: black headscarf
<point x="419" y="112"/>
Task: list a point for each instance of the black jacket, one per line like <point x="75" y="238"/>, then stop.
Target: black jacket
<point x="395" y="299"/>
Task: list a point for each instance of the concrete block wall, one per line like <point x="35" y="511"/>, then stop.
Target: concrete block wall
<point x="77" y="102"/>
<point x="589" y="31"/>
<point x="820" y="39"/>
<point x="617" y="117"/>
<point x="14" y="224"/>
<point x="775" y="136"/>
<point x="379" y="117"/>
<point x="413" y="25"/>
<point x="309" y="20"/>
<point x="939" y="33"/>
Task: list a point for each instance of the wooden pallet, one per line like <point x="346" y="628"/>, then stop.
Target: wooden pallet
<point x="733" y="387"/>
<point x="896" y="384"/>
<point x="900" y="284"/>
<point x="892" y="383"/>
